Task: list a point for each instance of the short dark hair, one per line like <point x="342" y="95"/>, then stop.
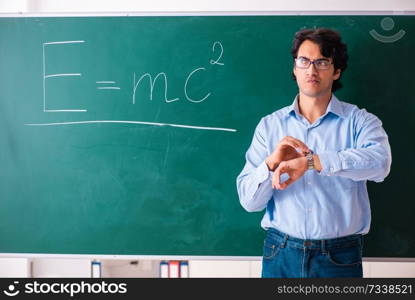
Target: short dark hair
<point x="330" y="44"/>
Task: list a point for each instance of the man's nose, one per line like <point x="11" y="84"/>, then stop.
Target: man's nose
<point x="312" y="69"/>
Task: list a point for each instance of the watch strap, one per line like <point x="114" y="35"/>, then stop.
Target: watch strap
<point x="310" y="160"/>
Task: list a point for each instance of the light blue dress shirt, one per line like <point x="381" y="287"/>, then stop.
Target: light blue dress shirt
<point x="352" y="147"/>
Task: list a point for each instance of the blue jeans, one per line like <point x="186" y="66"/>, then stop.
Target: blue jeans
<point x="287" y="257"/>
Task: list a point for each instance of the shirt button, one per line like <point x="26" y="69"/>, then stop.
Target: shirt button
<point x="309" y="210"/>
<point x="308" y="182"/>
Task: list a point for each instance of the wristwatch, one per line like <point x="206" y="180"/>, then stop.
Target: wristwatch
<point x="310" y="160"/>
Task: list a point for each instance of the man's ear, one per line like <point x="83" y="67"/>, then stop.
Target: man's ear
<point x="336" y="74"/>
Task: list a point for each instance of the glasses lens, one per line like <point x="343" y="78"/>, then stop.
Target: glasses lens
<point x="322" y="64"/>
<point x="302" y="62"/>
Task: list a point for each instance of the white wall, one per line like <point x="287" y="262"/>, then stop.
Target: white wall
<point x="253" y="269"/>
<point x="127" y="268"/>
<point x="116" y="268"/>
<point x="15" y="267"/>
<point x="10" y="6"/>
<point x="53" y="267"/>
<point x="36" y="6"/>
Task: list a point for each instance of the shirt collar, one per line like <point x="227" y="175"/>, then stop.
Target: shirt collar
<point x="334" y="107"/>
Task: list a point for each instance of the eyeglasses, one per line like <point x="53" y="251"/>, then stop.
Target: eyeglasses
<point x="320" y="64"/>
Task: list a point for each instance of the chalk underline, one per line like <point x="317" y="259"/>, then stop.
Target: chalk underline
<point x="133" y="122"/>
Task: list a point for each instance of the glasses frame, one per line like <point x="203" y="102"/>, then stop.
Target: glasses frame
<point x="310" y="62"/>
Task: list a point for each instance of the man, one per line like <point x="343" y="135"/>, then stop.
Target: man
<point x="308" y="165"/>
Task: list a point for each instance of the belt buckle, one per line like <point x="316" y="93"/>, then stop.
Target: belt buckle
<point x="307" y="243"/>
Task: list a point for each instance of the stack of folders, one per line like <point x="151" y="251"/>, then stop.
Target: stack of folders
<point x="174" y="269"/>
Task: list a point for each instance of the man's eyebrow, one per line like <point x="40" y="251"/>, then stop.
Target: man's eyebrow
<point x="322" y="58"/>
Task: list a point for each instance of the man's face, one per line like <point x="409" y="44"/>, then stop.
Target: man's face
<point x="313" y="82"/>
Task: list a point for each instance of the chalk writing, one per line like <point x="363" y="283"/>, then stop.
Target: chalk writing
<point x="110" y="85"/>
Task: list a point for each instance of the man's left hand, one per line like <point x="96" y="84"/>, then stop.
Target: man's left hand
<point x="295" y="168"/>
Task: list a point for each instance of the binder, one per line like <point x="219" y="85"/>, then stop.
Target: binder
<point x="164" y="269"/>
<point x="174" y="269"/>
<point x="95" y="269"/>
<point x="184" y="269"/>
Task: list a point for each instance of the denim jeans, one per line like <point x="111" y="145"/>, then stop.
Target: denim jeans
<point x="288" y="257"/>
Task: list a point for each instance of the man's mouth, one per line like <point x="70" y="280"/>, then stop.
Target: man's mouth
<point x="313" y="81"/>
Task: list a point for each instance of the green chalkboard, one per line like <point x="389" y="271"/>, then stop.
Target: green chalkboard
<point x="125" y="135"/>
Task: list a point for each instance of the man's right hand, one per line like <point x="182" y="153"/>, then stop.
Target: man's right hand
<point x="286" y="150"/>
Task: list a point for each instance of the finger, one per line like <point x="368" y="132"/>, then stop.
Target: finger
<point x="295" y="146"/>
<point x="288" y="143"/>
<point x="304" y="153"/>
<point x="274" y="181"/>
<point x="286" y="183"/>
<point x="276" y="177"/>
<point x="298" y="143"/>
<point x="282" y="168"/>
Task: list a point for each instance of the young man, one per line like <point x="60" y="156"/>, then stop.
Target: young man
<point x="308" y="165"/>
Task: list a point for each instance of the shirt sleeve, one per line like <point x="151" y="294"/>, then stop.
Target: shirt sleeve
<point x="369" y="160"/>
<point x="254" y="182"/>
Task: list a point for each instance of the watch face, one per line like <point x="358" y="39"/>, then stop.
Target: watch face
<point x="310" y="161"/>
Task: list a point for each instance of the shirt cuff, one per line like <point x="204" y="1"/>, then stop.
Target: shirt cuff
<point x="262" y="172"/>
<point x="330" y="163"/>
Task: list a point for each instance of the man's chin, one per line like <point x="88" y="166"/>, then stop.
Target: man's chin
<point x="314" y="93"/>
